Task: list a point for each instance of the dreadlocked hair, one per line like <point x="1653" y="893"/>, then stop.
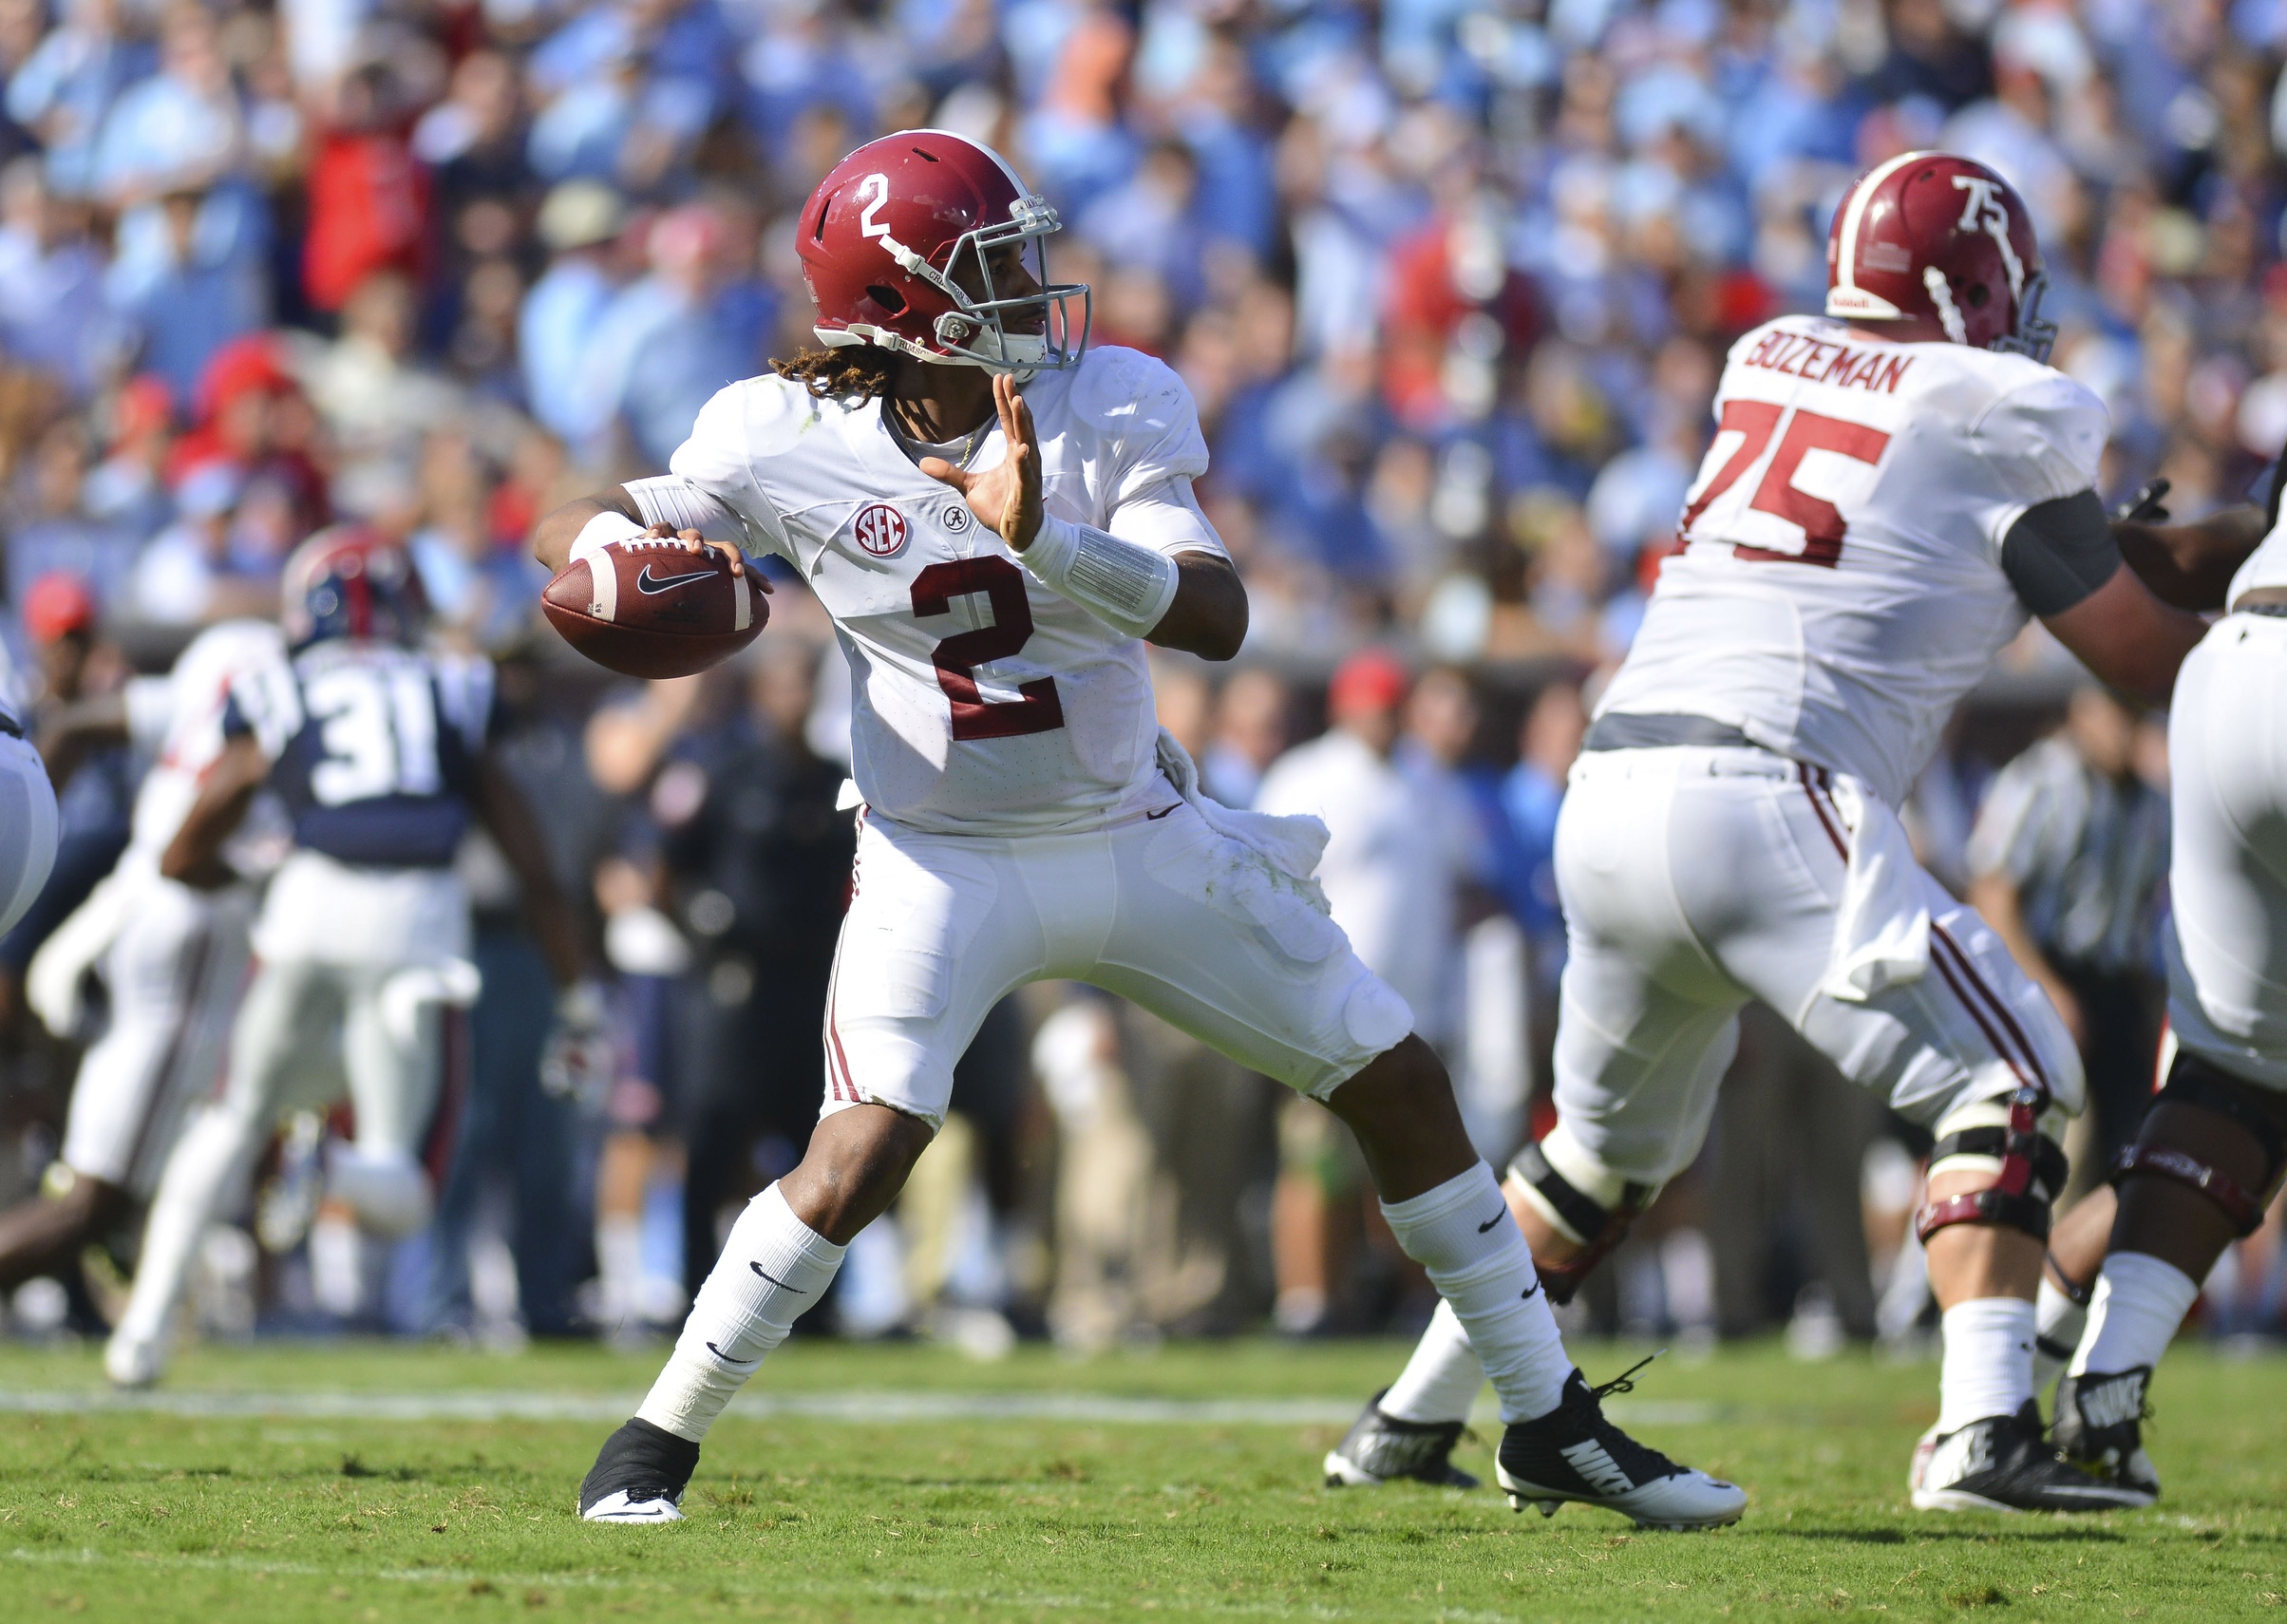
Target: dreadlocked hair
<point x="855" y="371"/>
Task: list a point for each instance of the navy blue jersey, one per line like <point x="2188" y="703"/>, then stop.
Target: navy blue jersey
<point x="372" y="748"/>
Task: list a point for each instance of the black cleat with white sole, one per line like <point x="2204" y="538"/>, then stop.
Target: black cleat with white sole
<point x="639" y="1476"/>
<point x="2004" y="1464"/>
<point x="1379" y="1448"/>
<point x="2100" y="1429"/>
<point x="1575" y="1453"/>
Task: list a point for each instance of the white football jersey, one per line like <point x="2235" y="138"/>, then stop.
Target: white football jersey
<point x="981" y="702"/>
<point x="187" y="704"/>
<point x="1841" y="585"/>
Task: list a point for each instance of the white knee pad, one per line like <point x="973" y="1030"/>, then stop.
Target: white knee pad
<point x="453" y="983"/>
<point x="1968" y="1140"/>
<point x="389" y="1193"/>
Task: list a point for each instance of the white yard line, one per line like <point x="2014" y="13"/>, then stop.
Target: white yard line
<point x="880" y="1407"/>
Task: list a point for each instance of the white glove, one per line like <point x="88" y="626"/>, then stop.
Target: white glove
<point x="580" y="1058"/>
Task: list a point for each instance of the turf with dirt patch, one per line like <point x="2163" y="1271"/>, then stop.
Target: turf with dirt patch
<point x="1040" y="1488"/>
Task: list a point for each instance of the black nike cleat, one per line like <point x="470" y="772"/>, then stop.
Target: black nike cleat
<point x="1379" y="1448"/>
<point x="2100" y="1429"/>
<point x="639" y="1476"/>
<point x="1575" y="1453"/>
<point x="2002" y="1462"/>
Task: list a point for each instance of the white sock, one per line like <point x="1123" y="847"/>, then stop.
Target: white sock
<point x="1988" y="1365"/>
<point x="1440" y="1382"/>
<point x="2140" y="1301"/>
<point x="773" y="1267"/>
<point x="1485" y="1270"/>
<point x="202" y="1172"/>
<point x="2057" y="1324"/>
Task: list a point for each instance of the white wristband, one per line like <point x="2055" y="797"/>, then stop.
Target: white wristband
<point x="588" y="547"/>
<point x="674" y="501"/>
<point x="1126" y="587"/>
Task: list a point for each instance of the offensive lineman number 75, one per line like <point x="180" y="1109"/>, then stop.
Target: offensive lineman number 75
<point x="1818" y="520"/>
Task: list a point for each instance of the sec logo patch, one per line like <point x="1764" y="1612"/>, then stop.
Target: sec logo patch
<point x="879" y="529"/>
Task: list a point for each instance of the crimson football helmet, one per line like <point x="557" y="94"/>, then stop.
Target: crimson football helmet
<point x="1944" y="238"/>
<point x="887" y="236"/>
<point x="349" y="581"/>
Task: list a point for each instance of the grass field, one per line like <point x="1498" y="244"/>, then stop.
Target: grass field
<point x="369" y="1482"/>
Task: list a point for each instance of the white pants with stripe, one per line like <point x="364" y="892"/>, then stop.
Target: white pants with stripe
<point x="175" y="972"/>
<point x="1694" y="879"/>
<point x="2227" y="761"/>
<point x="1161" y="909"/>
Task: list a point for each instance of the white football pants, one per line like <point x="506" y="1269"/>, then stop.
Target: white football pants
<point x="1694" y="879"/>
<point x="174" y="972"/>
<point x="1161" y="909"/>
<point x="306" y="1032"/>
<point x="2227" y="767"/>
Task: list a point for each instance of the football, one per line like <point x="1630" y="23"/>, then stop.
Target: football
<point x="660" y="610"/>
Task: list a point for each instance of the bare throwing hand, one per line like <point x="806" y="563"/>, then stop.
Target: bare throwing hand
<point x="1004" y="497"/>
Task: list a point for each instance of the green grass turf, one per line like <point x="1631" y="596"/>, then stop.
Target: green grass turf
<point x="153" y="1517"/>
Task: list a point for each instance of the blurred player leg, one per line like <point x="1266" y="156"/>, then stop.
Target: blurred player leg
<point x="289" y="1008"/>
<point x="393" y="1036"/>
<point x="2210" y="1152"/>
<point x="173" y="974"/>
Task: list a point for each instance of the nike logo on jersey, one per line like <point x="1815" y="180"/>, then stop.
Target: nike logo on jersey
<point x="646" y="581"/>
<point x="776" y="1281"/>
<point x="1491" y="1221"/>
<point x="1155" y="817"/>
<point x="1530" y="1291"/>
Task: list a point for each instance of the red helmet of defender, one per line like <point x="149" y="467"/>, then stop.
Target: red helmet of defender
<point x="1944" y="238"/>
<point x="904" y="245"/>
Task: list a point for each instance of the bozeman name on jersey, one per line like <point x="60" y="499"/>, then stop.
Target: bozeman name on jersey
<point x="1841" y="586"/>
<point x="981" y="699"/>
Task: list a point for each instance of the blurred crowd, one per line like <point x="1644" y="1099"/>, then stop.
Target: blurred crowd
<point x="1452" y="282"/>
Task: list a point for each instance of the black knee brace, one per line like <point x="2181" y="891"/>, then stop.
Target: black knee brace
<point x="1600" y="1228"/>
<point x="2194" y="1082"/>
<point x="2032" y="1172"/>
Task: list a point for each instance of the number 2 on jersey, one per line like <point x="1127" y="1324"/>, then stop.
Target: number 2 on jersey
<point x="1036" y="709"/>
<point x="1777" y="494"/>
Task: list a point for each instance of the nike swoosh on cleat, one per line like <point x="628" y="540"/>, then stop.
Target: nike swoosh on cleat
<point x="1155" y="817"/>
<point x="646" y="581"/>
<point x="776" y="1281"/>
<point x="1491" y="1221"/>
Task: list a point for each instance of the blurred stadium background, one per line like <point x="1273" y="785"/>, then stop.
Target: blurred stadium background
<point x="1452" y="282"/>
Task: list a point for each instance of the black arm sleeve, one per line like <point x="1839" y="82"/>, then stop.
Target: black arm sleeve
<point x="2059" y="552"/>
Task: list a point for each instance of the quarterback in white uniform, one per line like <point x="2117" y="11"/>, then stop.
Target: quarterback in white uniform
<point x="173" y="960"/>
<point x="1892" y="490"/>
<point x="995" y="518"/>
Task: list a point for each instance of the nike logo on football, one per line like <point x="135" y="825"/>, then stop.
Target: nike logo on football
<point x="1155" y="817"/>
<point x="776" y="1281"/>
<point x="646" y="581"/>
<point x="1491" y="1221"/>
